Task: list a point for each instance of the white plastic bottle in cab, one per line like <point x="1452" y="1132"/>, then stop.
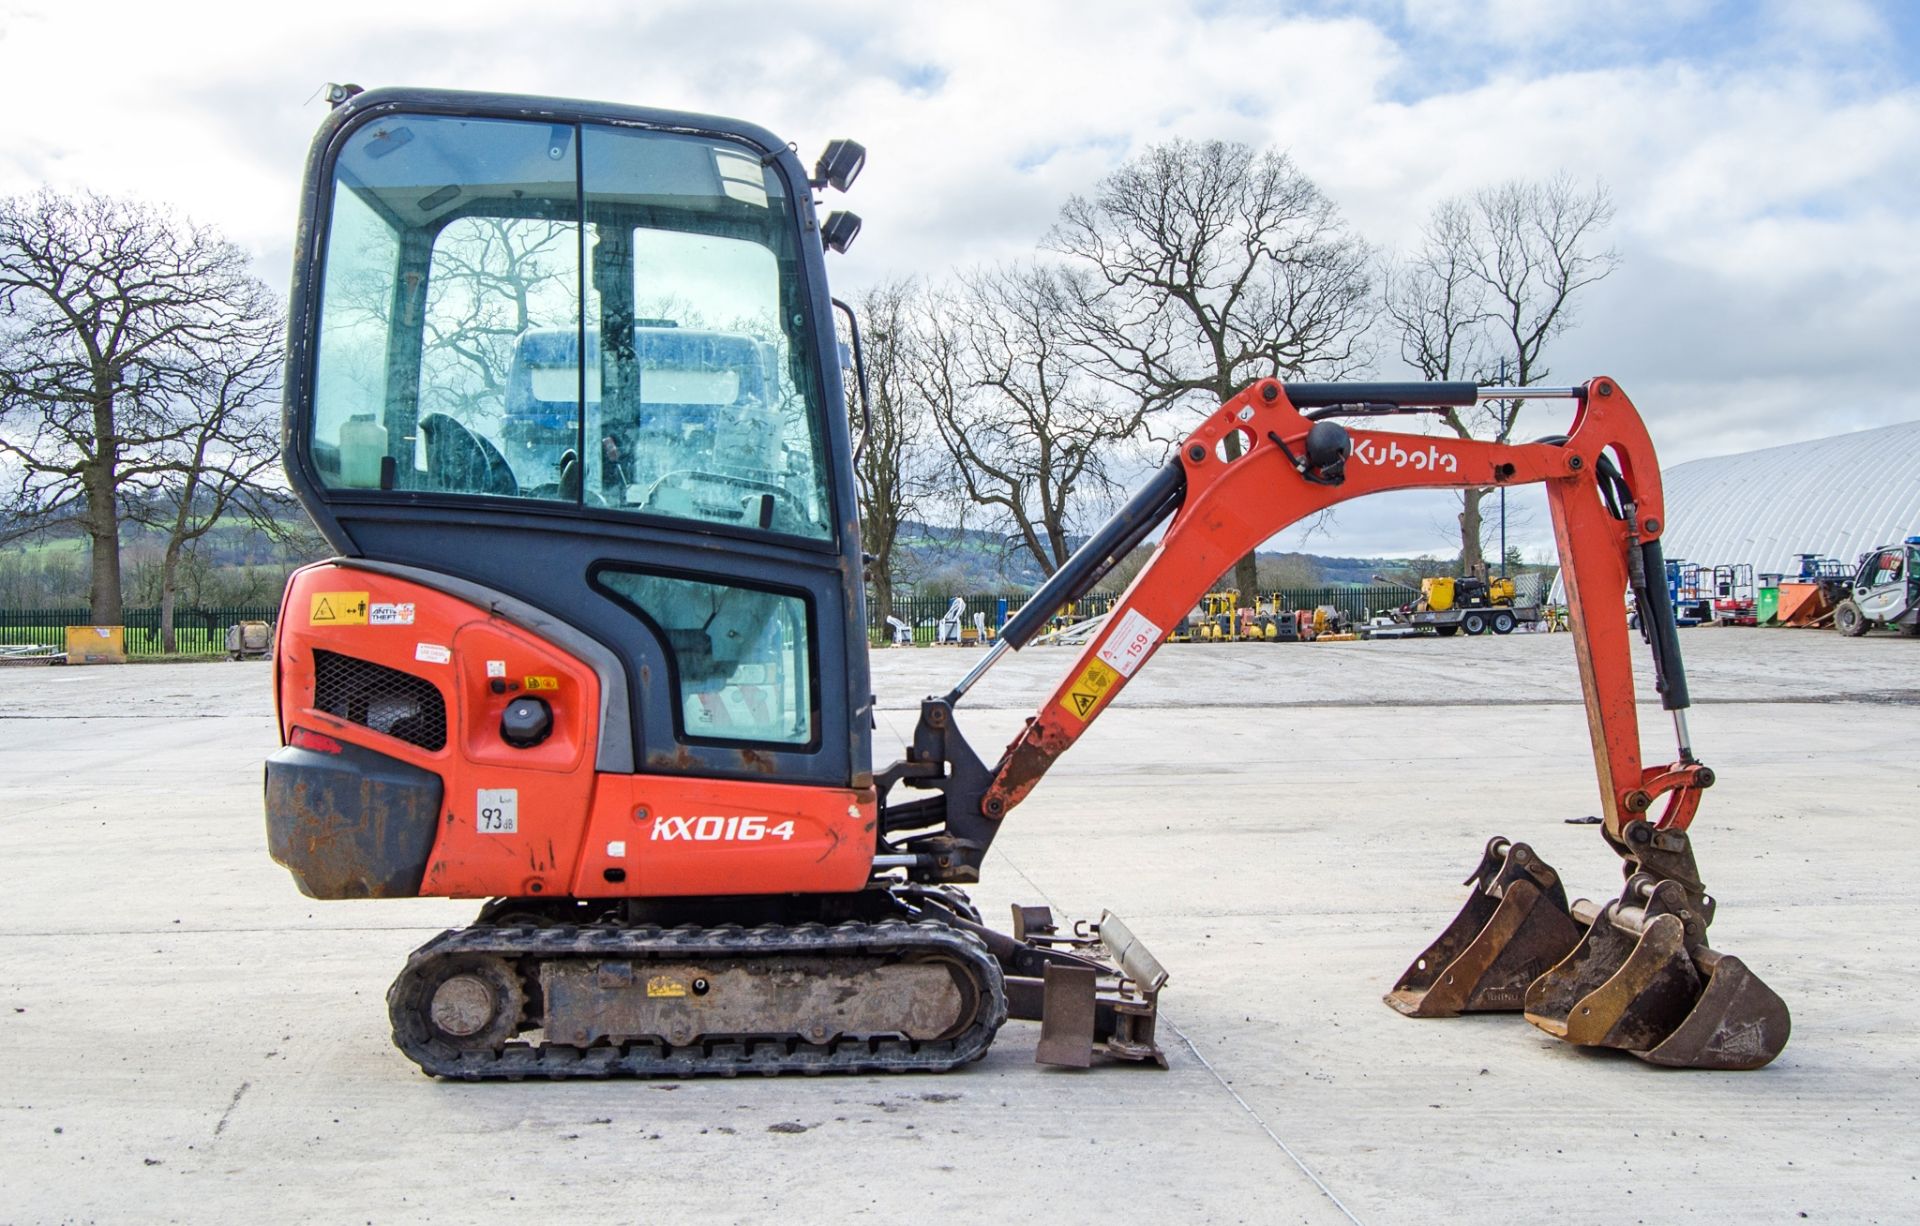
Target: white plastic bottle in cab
<point x="363" y="443"/>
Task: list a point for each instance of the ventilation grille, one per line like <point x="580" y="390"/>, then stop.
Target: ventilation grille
<point x="384" y="699"/>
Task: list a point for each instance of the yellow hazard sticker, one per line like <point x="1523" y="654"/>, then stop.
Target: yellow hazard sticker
<point x="337" y="609"/>
<point x="542" y="683"/>
<point x="665" y="985"/>
<point x="1089" y="690"/>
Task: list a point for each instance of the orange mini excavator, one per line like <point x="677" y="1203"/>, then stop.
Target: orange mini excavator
<point x="564" y="393"/>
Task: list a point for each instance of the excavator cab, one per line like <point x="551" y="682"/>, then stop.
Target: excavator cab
<point x="581" y="361"/>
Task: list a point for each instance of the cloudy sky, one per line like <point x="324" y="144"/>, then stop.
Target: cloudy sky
<point x="1764" y="156"/>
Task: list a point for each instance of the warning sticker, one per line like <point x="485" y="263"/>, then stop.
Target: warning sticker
<point x="542" y="683"/>
<point x="496" y="668"/>
<point x="665" y="985"/>
<point x="431" y="653"/>
<point x="1089" y="690"/>
<point x="390" y="615"/>
<point x="1132" y="642"/>
<point x="337" y="609"/>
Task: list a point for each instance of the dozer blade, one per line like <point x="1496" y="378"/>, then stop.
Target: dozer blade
<point x="1514" y="926"/>
<point x="1644" y="981"/>
<point x="1110" y="1001"/>
<point x="1094" y="988"/>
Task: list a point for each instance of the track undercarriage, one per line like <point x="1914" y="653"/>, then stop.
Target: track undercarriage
<point x="892" y="979"/>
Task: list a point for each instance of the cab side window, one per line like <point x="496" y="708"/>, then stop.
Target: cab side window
<point x="741" y="658"/>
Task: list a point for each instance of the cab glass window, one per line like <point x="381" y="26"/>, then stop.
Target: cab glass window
<point x="451" y="239"/>
<point x="740" y="658"/>
<point x="472" y="264"/>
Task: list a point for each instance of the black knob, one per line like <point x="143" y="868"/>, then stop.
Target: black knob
<point x="526" y="722"/>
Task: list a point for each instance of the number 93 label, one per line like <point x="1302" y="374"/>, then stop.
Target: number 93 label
<point x="496" y="810"/>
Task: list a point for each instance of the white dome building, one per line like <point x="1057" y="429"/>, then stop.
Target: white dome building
<point x="1836" y="496"/>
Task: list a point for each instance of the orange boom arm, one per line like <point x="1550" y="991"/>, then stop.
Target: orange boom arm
<point x="1230" y="506"/>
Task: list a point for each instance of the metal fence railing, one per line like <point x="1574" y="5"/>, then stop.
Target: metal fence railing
<point x="196" y="631"/>
<point x="204" y="631"/>
<point x="922" y="614"/>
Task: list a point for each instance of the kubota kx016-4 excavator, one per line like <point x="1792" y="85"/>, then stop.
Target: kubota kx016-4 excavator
<point x="564" y="394"/>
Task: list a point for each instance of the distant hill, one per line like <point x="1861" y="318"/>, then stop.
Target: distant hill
<point x="974" y="561"/>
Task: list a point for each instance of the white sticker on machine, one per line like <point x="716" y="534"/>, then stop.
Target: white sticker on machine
<point x="390" y="615"/>
<point x="496" y="810"/>
<point x="431" y="653"/>
<point x="1131" y="643"/>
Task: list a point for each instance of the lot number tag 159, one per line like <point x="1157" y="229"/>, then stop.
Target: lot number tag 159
<point x="496" y="810"/>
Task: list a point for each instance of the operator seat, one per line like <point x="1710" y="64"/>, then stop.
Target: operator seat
<point x="458" y="459"/>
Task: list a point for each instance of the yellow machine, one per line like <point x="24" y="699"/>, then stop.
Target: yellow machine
<point x="1474" y="602"/>
<point x="1219" y="617"/>
<point x="1439" y="593"/>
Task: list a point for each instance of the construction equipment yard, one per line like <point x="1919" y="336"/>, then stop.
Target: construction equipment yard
<point x="190" y="1039"/>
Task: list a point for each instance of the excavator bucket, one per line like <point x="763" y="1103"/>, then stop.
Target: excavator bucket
<point x="1515" y="925"/>
<point x="1644" y="981"/>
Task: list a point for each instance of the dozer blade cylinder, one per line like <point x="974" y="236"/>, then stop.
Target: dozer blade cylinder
<point x="1514" y="926"/>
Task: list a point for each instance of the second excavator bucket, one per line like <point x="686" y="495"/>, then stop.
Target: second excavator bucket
<point x="1514" y="926"/>
<point x="1644" y="981"/>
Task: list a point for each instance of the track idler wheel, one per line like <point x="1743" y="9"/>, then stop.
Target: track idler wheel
<point x="1644" y="981"/>
<point x="1515" y="926"/>
<point x="457" y="1004"/>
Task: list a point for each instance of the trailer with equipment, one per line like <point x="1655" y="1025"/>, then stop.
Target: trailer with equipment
<point x="613" y="679"/>
<point x="1472" y="603"/>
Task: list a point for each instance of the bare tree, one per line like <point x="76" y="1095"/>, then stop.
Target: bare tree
<point x="220" y="467"/>
<point x="894" y="472"/>
<point x="1031" y="435"/>
<point x="109" y="313"/>
<point x="1200" y="267"/>
<point x="1490" y="284"/>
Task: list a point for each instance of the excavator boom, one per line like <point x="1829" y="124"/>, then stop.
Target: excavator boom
<point x="1519" y="943"/>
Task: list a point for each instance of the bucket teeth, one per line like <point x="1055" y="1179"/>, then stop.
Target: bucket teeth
<point x="1514" y="926"/>
<point x="1644" y="981"/>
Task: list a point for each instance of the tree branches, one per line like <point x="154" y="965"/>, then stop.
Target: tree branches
<point x="1200" y="267"/>
<point x="119" y="321"/>
<point x="1030" y="432"/>
<point x="1491" y="283"/>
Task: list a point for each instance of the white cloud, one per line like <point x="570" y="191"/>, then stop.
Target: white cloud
<point x="1765" y="161"/>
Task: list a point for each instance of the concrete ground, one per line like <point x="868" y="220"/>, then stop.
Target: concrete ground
<point x="189" y="1039"/>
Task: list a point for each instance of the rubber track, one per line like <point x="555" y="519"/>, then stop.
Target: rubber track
<point x="528" y="946"/>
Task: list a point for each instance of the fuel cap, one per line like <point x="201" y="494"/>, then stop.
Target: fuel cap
<point x="526" y="722"/>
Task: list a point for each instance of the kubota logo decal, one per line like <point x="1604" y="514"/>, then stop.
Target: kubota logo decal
<point x="1393" y="455"/>
<point x="719" y="829"/>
